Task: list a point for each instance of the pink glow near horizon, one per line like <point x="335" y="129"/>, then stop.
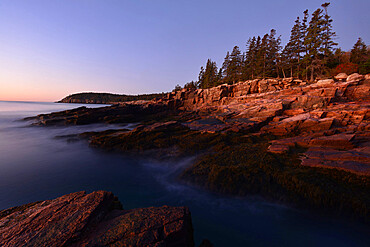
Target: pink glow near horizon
<point x="50" y="49"/>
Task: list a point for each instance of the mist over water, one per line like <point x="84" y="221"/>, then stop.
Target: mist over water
<point x="35" y="165"/>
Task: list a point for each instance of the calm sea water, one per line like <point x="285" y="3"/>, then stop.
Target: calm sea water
<point x="36" y="165"/>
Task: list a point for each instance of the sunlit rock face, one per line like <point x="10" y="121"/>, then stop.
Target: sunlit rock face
<point x="94" y="219"/>
<point x="280" y="107"/>
<point x="282" y="131"/>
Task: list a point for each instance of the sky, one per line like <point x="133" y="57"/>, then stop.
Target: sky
<point x="50" y="49"/>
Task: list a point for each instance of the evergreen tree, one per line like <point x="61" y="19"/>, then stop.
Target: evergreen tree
<point x="295" y="47"/>
<point x="359" y="52"/>
<point x="335" y="59"/>
<point x="225" y="66"/>
<point x="261" y="55"/>
<point x="208" y="77"/>
<point x="310" y="50"/>
<point x="191" y="85"/>
<point x="177" y="88"/>
<point x="232" y="66"/>
<point x="306" y="57"/>
<point x="314" y="42"/>
<point x="287" y="57"/>
<point x="272" y="54"/>
<point x="328" y="35"/>
<point x="250" y="58"/>
<point x="219" y="76"/>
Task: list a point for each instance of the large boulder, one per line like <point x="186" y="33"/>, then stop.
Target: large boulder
<point x="325" y="82"/>
<point x="341" y="77"/>
<point x="94" y="219"/>
<point x="355" y="77"/>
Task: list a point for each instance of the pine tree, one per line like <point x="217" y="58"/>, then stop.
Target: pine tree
<point x="225" y="66"/>
<point x="177" y="88"/>
<point x="314" y="41"/>
<point x="328" y="34"/>
<point x="311" y="49"/>
<point x="200" y="82"/>
<point x="191" y="85"/>
<point x="208" y="77"/>
<point x="251" y="57"/>
<point x="272" y="54"/>
<point x="219" y="76"/>
<point x="287" y="57"/>
<point x="258" y="67"/>
<point x="232" y="66"/>
<point x="303" y="33"/>
<point x="296" y="46"/>
<point x="359" y="52"/>
<point x="261" y="55"/>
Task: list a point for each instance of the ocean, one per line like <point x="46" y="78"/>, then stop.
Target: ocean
<point x="38" y="163"/>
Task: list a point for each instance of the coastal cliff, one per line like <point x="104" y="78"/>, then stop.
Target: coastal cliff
<point x="303" y="143"/>
<point x="95" y="219"/>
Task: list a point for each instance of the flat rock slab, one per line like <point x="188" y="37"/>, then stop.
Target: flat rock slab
<point x="352" y="160"/>
<point x="339" y="141"/>
<point x="278" y="149"/>
<point x="81" y="219"/>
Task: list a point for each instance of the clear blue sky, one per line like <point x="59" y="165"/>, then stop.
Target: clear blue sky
<point x="49" y="49"/>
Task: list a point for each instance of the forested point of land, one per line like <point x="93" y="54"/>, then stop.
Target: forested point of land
<point x="311" y="53"/>
<point x="101" y="98"/>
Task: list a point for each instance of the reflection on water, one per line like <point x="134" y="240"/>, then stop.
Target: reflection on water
<point x="34" y="165"/>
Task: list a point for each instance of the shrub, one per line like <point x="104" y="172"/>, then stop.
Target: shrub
<point x="347" y="68"/>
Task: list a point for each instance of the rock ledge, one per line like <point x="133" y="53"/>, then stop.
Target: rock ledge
<point x="94" y="219"/>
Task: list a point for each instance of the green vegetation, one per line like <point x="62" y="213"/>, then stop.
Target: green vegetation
<point x="108" y="97"/>
<point x="186" y="141"/>
<point x="360" y="56"/>
<point x="310" y="53"/>
<point x="247" y="168"/>
<point x="239" y="164"/>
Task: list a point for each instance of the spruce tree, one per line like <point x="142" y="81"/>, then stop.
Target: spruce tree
<point x="296" y="46"/>
<point x="306" y="57"/>
<point x="272" y="54"/>
<point x="208" y="77"/>
<point x="328" y="35"/>
<point x="359" y="52"/>
<point x="251" y="58"/>
<point x="287" y="57"/>
<point x="262" y="55"/>
<point x="219" y="76"/>
<point x="314" y="41"/>
<point x="232" y="66"/>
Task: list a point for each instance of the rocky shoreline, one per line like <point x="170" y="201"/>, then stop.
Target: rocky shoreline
<point x="289" y="140"/>
<point x="95" y="219"/>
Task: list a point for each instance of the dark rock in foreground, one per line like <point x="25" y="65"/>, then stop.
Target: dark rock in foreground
<point x="94" y="219"/>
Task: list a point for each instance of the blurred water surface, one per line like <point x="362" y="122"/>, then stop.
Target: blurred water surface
<point x="35" y="165"/>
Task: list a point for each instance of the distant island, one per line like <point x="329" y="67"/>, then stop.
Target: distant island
<point x="107" y="98"/>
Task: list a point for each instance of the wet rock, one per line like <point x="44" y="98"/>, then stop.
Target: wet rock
<point x="94" y="219"/>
